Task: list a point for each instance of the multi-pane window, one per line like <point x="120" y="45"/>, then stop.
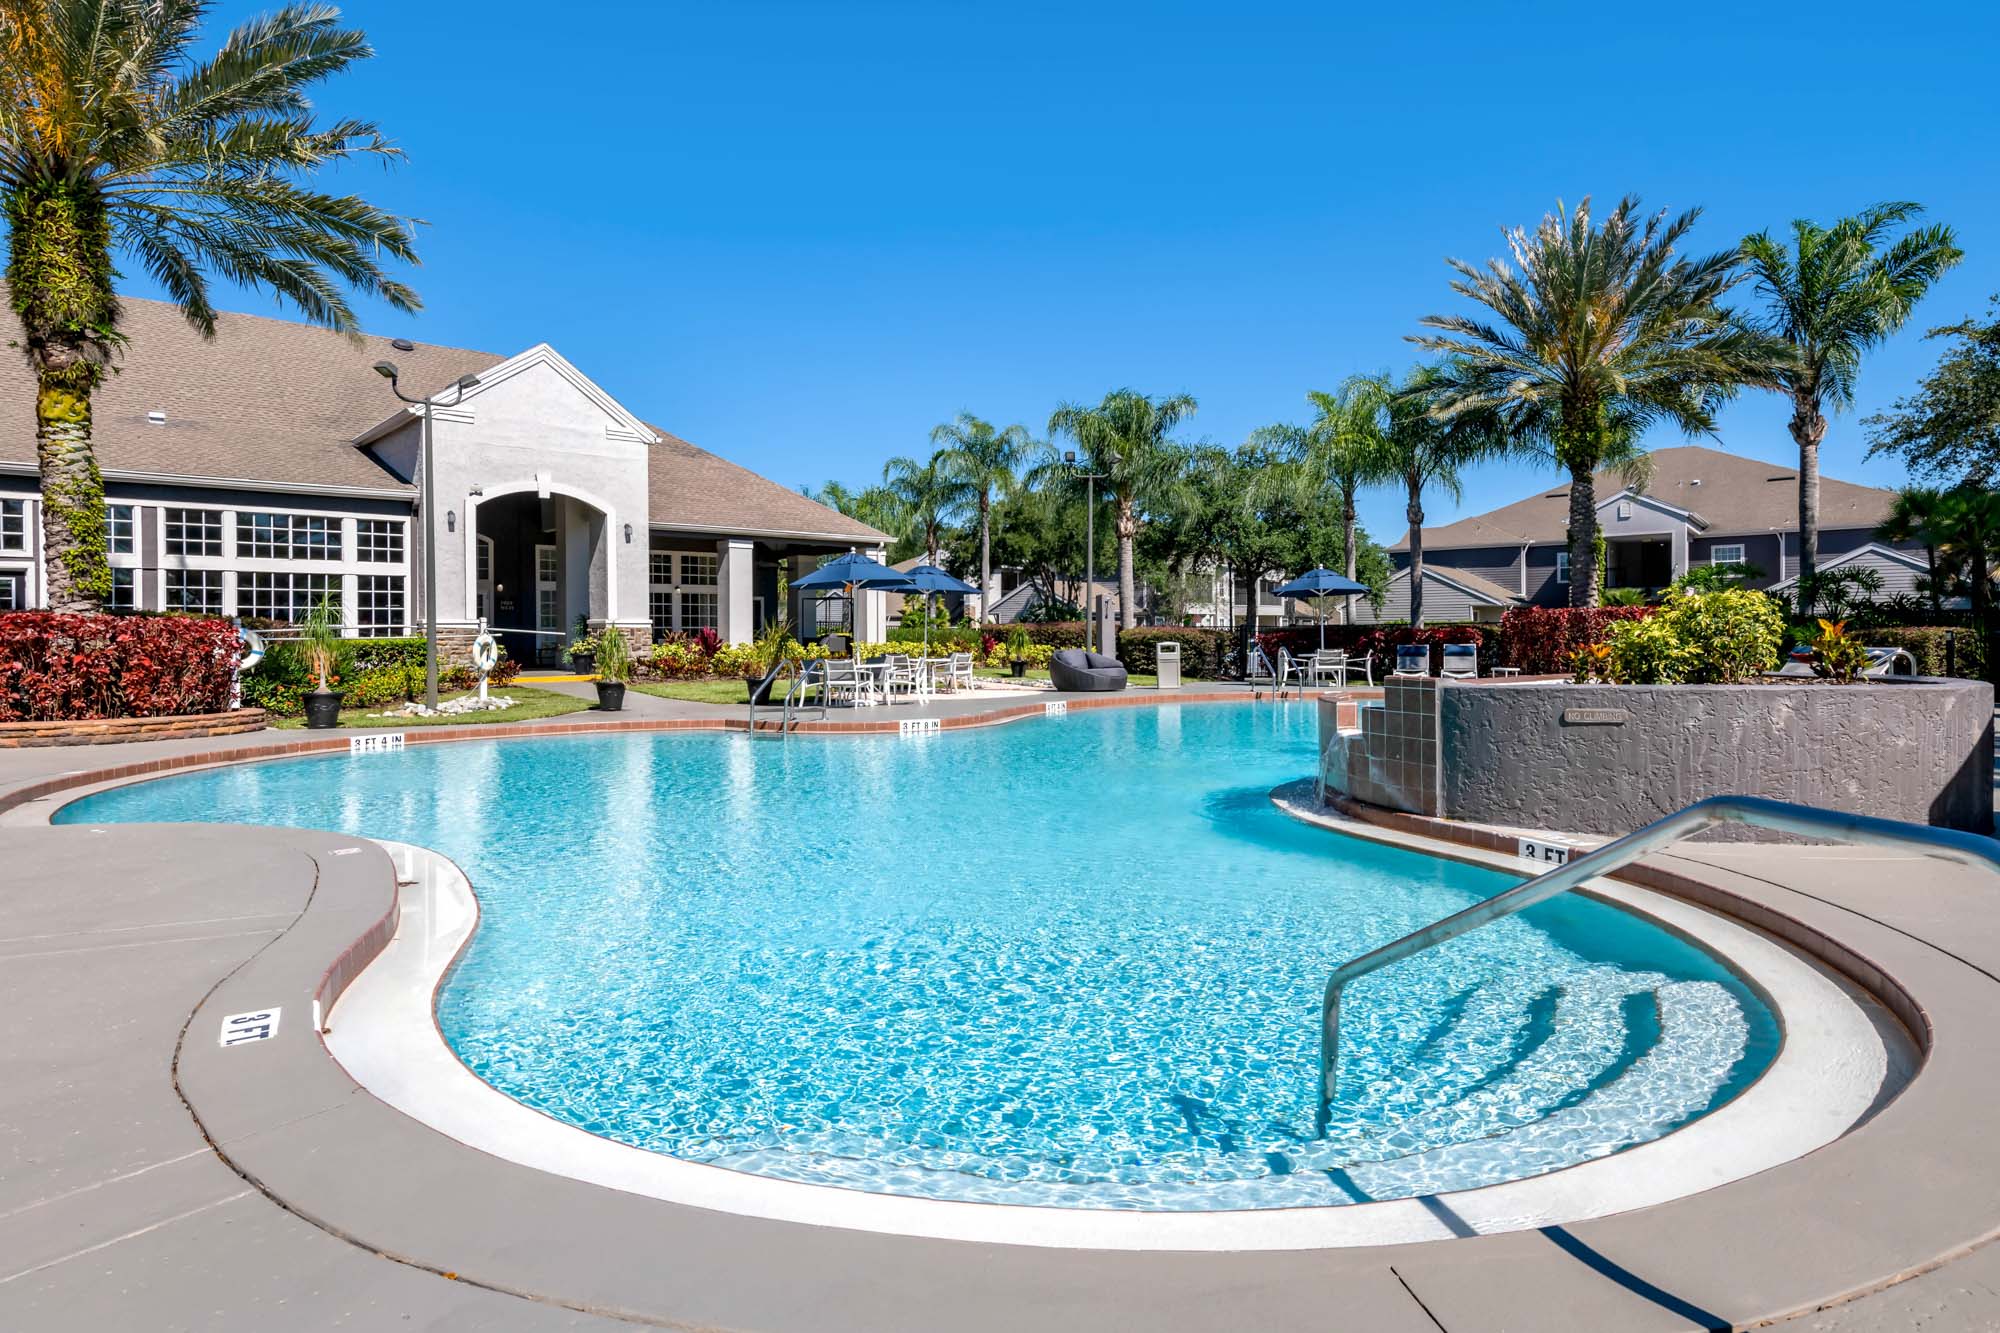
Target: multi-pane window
<point x="378" y="610"/>
<point x="287" y="537"/>
<point x="379" y="541"/>
<point x="661" y="604"/>
<point x="698" y="610"/>
<point x="287" y="598"/>
<point x="548" y="569"/>
<point x="118" y="530"/>
<point x="124" y="591"/>
<point x="699" y="569"/>
<point x="13" y="525"/>
<point x="195" y="590"/>
<point x="13" y="590"/>
<point x="1562" y="566"/>
<point x="660" y="566"/>
<point x="1726" y="555"/>
<point x="194" y="532"/>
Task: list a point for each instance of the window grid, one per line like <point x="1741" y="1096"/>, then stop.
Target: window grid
<point x="698" y="610"/>
<point x="379" y="541"/>
<point x="662" y="607"/>
<point x="699" y="569"/>
<point x="13" y="525"/>
<point x="548" y="569"/>
<point x="118" y="529"/>
<point x="287" y="537"/>
<point x="1726" y="555"/>
<point x="379" y="605"/>
<point x="1562" y="566"/>
<point x="13" y="590"/>
<point x="124" y="591"/>
<point x="198" y="591"/>
<point x="286" y="598"/>
<point x="660" y="567"/>
<point x="194" y="532"/>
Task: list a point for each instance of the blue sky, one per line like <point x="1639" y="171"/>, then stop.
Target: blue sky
<point x="802" y="235"/>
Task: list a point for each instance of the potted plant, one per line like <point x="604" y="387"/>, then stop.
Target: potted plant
<point x="582" y="650"/>
<point x="319" y="640"/>
<point x="614" y="668"/>
<point x="774" y="643"/>
<point x="1017" y="652"/>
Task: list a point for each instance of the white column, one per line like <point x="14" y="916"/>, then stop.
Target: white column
<point x="738" y="586"/>
<point x="871" y="609"/>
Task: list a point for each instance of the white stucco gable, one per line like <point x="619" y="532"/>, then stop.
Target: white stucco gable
<point x="539" y="385"/>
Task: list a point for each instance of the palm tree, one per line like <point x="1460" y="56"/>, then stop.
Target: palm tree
<point x="926" y="497"/>
<point x="984" y="460"/>
<point x="1832" y="295"/>
<point x="1917" y="516"/>
<point x="1423" y="447"/>
<point x="1348" y="447"/>
<point x="1127" y="439"/>
<point x="1601" y="332"/>
<point x="115" y="137"/>
<point x="872" y="505"/>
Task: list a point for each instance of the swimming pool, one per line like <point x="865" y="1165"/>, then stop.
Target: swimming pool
<point x="1073" y="963"/>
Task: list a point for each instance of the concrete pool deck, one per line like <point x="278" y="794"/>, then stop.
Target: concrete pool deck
<point x="156" y="1179"/>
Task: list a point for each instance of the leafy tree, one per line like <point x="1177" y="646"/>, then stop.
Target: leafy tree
<point x="985" y="461"/>
<point x="1830" y="295"/>
<point x="116" y="137"/>
<point x="1594" y="333"/>
<point x="1916" y="516"/>
<point x="1341" y="451"/>
<point x="1128" y="439"/>
<point x="873" y="505"/>
<point x="927" y="497"/>
<point x="1426" y="447"/>
<point x="1950" y="428"/>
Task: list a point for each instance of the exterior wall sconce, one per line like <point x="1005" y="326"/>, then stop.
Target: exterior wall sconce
<point x="451" y="520"/>
<point x="628" y="534"/>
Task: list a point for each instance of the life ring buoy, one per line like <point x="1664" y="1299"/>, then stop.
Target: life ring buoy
<point x="485" y="654"/>
<point x="253" y="648"/>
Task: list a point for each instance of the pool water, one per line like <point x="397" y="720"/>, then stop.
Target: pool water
<point x="1069" y="962"/>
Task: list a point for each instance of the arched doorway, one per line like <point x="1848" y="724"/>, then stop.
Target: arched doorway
<point x="542" y="566"/>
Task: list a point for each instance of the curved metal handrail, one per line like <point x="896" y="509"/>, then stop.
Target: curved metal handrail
<point x="1756" y="811"/>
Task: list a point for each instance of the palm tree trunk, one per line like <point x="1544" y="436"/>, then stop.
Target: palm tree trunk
<point x="1582" y="537"/>
<point x="985" y="552"/>
<point x="1808" y="429"/>
<point x="1415" y="514"/>
<point x="1936" y="593"/>
<point x="1347" y="525"/>
<point x="1128" y="530"/>
<point x="59" y="276"/>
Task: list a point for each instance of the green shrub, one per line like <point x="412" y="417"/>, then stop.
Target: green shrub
<point x="1732" y="634"/>
<point x="1646" y="652"/>
<point x="1938" y="650"/>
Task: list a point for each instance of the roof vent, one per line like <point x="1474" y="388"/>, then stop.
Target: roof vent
<point x="1695" y="482"/>
<point x="157" y="417"/>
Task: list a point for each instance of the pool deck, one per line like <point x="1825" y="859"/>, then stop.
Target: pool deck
<point x="150" y="1178"/>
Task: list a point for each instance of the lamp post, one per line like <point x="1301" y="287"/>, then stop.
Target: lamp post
<point x="388" y="371"/>
<point x="1090" y="480"/>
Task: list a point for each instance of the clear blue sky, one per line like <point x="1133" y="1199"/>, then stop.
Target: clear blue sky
<point x="801" y="235"/>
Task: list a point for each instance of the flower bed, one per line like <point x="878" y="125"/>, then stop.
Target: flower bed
<point x="60" y="667"/>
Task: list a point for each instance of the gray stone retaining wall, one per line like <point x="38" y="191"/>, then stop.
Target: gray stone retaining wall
<point x="1607" y="759"/>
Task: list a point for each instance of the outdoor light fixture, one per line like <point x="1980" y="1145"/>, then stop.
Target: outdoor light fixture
<point x="628" y="534"/>
<point x="451" y="520"/>
<point x="1090" y="480"/>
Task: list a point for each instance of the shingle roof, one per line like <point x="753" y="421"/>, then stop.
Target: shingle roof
<point x="274" y="401"/>
<point x="1472" y="583"/>
<point x="1735" y="495"/>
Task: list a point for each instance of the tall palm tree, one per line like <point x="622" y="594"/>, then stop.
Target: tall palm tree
<point x="1917" y="515"/>
<point x="1833" y="294"/>
<point x="986" y="461"/>
<point x="1127" y="439"/>
<point x="1347" y="445"/>
<point x="872" y="505"/>
<point x="114" y="136"/>
<point x="1603" y="331"/>
<point x="927" y="497"/>
<point x="1424" y="448"/>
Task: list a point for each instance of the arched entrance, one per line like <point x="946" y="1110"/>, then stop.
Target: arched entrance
<point x="541" y="566"/>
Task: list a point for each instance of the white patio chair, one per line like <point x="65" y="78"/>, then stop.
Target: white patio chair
<point x="1412" y="659"/>
<point x="1329" y="664"/>
<point x="904" y="677"/>
<point x="1461" y="661"/>
<point x="1291" y="670"/>
<point x="959" y="673"/>
<point x="845" y="681"/>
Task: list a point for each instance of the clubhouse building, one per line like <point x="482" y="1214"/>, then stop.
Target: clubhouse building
<point x="1702" y="506"/>
<point x="255" y="474"/>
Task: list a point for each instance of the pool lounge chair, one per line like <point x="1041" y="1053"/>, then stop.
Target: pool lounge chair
<point x="1075" y="669"/>
<point x="1890" y="662"/>
<point x="1461" y="661"/>
<point x="1412" y="659"/>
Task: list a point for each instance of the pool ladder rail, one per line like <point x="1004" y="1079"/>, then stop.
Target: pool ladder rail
<point x="799" y="677"/>
<point x="1753" y="811"/>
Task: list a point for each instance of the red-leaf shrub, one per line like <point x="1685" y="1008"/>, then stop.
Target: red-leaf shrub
<point x="1541" y="639"/>
<point x="1383" y="640"/>
<point x="60" y="667"/>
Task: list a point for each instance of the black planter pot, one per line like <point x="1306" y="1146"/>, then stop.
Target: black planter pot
<point x="1020" y="669"/>
<point x="323" y="709"/>
<point x="758" y="696"/>
<point x="611" y="696"/>
<point x="584" y="664"/>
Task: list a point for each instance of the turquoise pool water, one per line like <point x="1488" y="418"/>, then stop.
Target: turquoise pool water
<point x="1072" y="962"/>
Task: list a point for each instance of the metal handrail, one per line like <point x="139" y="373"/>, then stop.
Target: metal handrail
<point x="801" y="676"/>
<point x="1756" y="811"/>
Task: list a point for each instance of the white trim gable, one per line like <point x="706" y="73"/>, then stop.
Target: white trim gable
<point x="1658" y="506"/>
<point x="1906" y="559"/>
<point x="623" y="426"/>
<point x="1433" y="574"/>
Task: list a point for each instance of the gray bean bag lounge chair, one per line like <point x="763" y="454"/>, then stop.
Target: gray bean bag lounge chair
<point x="1075" y="669"/>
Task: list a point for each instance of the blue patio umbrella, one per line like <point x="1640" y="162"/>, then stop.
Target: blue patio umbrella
<point x="857" y="571"/>
<point x="1319" y="583"/>
<point x="930" y="579"/>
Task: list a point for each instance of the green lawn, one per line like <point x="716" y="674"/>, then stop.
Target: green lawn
<point x="729" y="691"/>
<point x="529" y="703"/>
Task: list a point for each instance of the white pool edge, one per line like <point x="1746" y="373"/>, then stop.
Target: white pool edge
<point x="1839" y="1049"/>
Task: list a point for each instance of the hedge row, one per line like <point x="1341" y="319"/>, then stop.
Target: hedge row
<point x="1541" y="640"/>
<point x="60" y="667"/>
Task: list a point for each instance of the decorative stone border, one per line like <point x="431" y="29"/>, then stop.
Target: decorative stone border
<point x="115" y="730"/>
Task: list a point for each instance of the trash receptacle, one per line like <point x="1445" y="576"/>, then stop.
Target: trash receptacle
<point x="1169" y="665"/>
